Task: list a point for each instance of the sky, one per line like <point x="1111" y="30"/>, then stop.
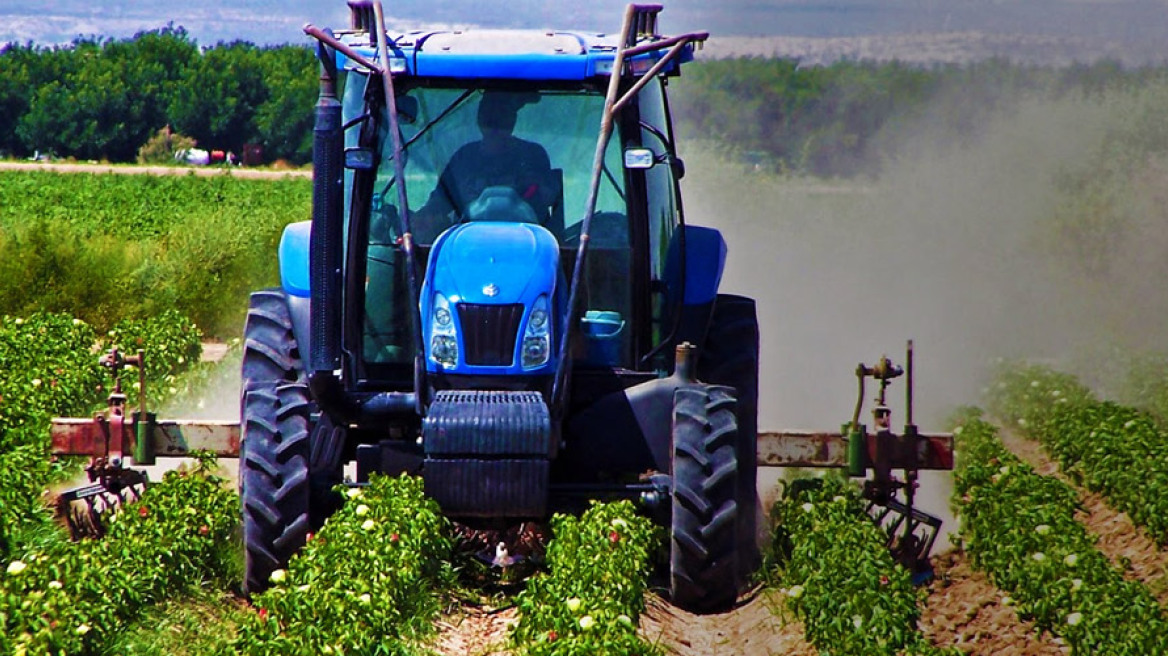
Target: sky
<point x="1136" y="23"/>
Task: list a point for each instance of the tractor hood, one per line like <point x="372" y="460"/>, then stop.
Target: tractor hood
<point x="494" y="263"/>
<point x="489" y="300"/>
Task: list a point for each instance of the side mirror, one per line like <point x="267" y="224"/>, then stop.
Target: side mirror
<point x="407" y="109"/>
<point x="639" y="158"/>
<point x="678" y="168"/>
<point x="360" y="159"/>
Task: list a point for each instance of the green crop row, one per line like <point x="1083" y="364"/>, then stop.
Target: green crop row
<point x="49" y="369"/>
<point x="1111" y="449"/>
<point x="839" y="577"/>
<point x="370" y="582"/>
<point x="74" y="597"/>
<point x="591" y="599"/>
<point x="1020" y="528"/>
<point x="52" y="365"/>
<point x="1024" y="395"/>
<point x="24" y="470"/>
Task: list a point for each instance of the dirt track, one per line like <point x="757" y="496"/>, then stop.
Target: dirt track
<point x="72" y="167"/>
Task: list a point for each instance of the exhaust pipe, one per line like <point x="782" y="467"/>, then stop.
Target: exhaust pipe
<point x="327" y="199"/>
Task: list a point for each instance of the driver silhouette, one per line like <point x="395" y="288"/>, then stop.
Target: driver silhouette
<point x="499" y="159"/>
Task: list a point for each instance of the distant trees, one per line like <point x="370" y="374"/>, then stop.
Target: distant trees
<point x="846" y="119"/>
<point x="102" y="99"/>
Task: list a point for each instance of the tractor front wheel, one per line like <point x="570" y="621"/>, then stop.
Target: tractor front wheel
<point x="703" y="543"/>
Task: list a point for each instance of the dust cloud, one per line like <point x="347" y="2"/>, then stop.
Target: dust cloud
<point x="946" y="248"/>
<point x="217" y="397"/>
<point x="949" y="248"/>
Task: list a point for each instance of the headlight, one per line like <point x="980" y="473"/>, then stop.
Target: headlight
<point x="536" y="339"/>
<point x="443" y="336"/>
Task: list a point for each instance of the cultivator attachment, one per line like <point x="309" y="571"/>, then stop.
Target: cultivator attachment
<point x="911" y="534"/>
<point x="111" y="486"/>
<point x="110" y="436"/>
<point x="875" y="456"/>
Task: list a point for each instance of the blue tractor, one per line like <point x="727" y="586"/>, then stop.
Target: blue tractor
<point x="498" y="292"/>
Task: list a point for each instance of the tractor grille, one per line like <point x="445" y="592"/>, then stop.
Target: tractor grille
<point x="489" y="332"/>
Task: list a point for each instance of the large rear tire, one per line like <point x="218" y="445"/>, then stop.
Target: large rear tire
<point x="703" y="543"/>
<point x="274" y="481"/>
<point x="730" y="357"/>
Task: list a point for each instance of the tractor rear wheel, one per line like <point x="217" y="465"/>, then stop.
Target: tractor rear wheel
<point x="730" y="357"/>
<point x="274" y="482"/>
<point x="270" y="351"/>
<point x="273" y="479"/>
<point x="703" y="542"/>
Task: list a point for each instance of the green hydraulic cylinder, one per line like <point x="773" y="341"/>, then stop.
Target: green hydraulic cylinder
<point x="144" y="438"/>
<point x="855" y="433"/>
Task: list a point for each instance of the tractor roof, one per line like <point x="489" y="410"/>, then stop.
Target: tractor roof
<point x="505" y="54"/>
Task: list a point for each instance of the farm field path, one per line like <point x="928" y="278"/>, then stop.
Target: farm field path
<point x="475" y="631"/>
<point x="750" y="629"/>
<point x="1119" y="539"/>
<point x="77" y="167"/>
<point x="965" y="610"/>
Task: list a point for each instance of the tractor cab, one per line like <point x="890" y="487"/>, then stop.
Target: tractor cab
<point x="497" y="167"/>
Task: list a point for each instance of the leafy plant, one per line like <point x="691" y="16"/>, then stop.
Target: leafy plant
<point x="59" y="375"/>
<point x="839" y="577"/>
<point x="1111" y="449"/>
<point x="111" y="247"/>
<point x="369" y="582"/>
<point x="591" y="598"/>
<point x="1020" y="528"/>
<point x="160" y="148"/>
<point x="73" y="597"/>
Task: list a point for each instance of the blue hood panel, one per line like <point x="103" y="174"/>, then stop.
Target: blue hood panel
<point x="490" y="263"/>
<point x="516" y="261"/>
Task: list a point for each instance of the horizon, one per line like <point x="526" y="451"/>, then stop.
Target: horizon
<point x="1133" y="31"/>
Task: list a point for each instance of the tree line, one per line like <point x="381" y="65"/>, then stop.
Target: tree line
<point x="103" y="98"/>
<point x="849" y="118"/>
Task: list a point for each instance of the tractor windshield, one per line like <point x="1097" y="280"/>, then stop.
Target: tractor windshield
<point x="490" y="154"/>
<point x="461" y="142"/>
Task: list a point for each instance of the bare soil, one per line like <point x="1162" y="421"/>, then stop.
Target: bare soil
<point x="476" y="631"/>
<point x="1128" y="546"/>
<point x="213" y="351"/>
<point x="965" y="610"/>
<point x="751" y="629"/>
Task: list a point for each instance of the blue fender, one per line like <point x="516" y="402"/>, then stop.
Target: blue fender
<point x="293" y="254"/>
<point x="705" y="260"/>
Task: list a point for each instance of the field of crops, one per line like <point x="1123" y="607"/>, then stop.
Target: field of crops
<point x="386" y="564"/>
<point x="1060" y="489"/>
<point x="104" y="247"/>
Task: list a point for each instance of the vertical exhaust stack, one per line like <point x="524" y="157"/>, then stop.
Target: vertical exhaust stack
<point x="361" y="18"/>
<point x="327" y="199"/>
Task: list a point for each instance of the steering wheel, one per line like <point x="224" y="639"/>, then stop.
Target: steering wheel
<point x="500" y="203"/>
